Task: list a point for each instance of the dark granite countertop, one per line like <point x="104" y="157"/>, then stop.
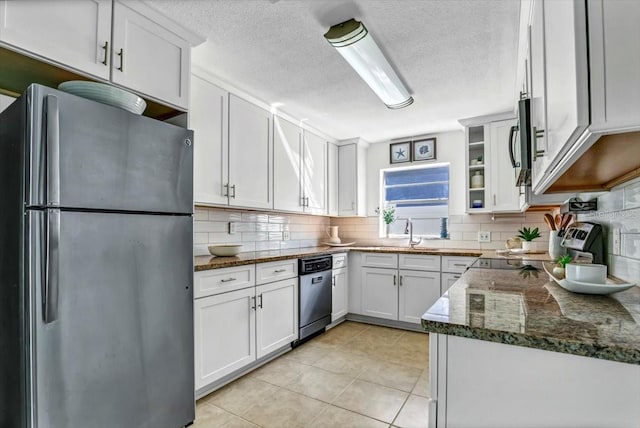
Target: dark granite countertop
<point x="524" y="308"/>
<point x="212" y="262"/>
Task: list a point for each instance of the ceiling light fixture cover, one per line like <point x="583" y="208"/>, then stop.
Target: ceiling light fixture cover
<point x="357" y="47"/>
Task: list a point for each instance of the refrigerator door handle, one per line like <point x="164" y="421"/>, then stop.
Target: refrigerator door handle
<point x="53" y="150"/>
<point x="50" y="289"/>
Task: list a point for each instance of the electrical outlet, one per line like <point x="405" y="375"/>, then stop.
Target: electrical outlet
<point x="232" y="228"/>
<point x="484" y="236"/>
<point x="484" y="263"/>
<point x="286" y="235"/>
<point x="616" y="250"/>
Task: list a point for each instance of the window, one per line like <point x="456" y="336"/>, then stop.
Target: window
<point x="419" y="193"/>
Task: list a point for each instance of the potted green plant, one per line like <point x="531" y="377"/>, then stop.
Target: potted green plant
<point x="388" y="216"/>
<point x="561" y="263"/>
<point x="528" y="235"/>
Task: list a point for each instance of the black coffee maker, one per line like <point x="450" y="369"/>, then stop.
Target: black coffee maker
<point x="584" y="242"/>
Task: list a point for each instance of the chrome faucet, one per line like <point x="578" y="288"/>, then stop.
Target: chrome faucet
<point x="408" y="229"/>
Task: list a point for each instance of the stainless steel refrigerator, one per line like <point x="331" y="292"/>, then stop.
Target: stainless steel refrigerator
<point x="96" y="266"/>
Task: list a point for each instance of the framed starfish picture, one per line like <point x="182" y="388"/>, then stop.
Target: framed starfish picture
<point x="400" y="152"/>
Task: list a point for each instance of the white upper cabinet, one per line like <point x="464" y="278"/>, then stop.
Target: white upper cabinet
<point x="566" y="73"/>
<point x="76" y="33"/>
<point x="287" y="166"/>
<point x="537" y="92"/>
<point x="250" y="158"/>
<point x="149" y="58"/>
<point x="351" y="180"/>
<point x="614" y="63"/>
<point x="332" y="184"/>
<point x="314" y="173"/>
<point x="299" y="169"/>
<point x="505" y="196"/>
<point x="126" y="43"/>
<point x="208" y="117"/>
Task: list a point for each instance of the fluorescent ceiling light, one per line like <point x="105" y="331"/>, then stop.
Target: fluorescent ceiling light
<point x="357" y="47"/>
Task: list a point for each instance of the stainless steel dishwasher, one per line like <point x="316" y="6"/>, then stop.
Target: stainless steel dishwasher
<point x="314" y="294"/>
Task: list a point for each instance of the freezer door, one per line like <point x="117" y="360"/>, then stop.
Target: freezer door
<point x="113" y="319"/>
<point x="84" y="154"/>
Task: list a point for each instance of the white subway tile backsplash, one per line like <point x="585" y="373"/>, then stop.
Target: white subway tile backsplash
<point x="255" y="236"/>
<point x="224" y="238"/>
<point x="275" y="236"/>
<point x="224" y="215"/>
<point x="209" y="226"/>
<point x="632" y="196"/>
<point x="201" y="238"/>
<point x="278" y="219"/>
<point x="255" y="217"/>
<point x="200" y="214"/>
<point x="267" y="227"/>
<point x="267" y="245"/>
<point x="245" y="227"/>
<point x="630" y="245"/>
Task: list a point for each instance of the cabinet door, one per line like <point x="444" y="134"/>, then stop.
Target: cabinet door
<point x="249" y="155"/>
<point x="538" y="106"/>
<point x="418" y="291"/>
<point x="314" y="173"/>
<point x="332" y="186"/>
<point x="505" y="196"/>
<point x="354" y="299"/>
<point x="149" y="58"/>
<point x="447" y="280"/>
<point x="339" y="294"/>
<point x="380" y="293"/>
<point x="208" y="117"/>
<point x="566" y="71"/>
<point x="287" y="164"/>
<point x="419" y="262"/>
<point x="221" y="347"/>
<point x="277" y="315"/>
<point x="613" y="51"/>
<point x="347" y="176"/>
<point x="74" y="33"/>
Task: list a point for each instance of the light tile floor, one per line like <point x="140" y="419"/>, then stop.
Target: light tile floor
<point x="353" y="376"/>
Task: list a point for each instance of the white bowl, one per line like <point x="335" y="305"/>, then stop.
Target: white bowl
<point x="596" y="274"/>
<point x="105" y="94"/>
<point x="225" y="250"/>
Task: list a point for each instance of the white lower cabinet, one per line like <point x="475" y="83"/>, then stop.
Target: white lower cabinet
<point x="398" y="294"/>
<point x="236" y="327"/>
<point x="339" y="294"/>
<point x="221" y="347"/>
<point x="447" y="280"/>
<point x="417" y="292"/>
<point x="380" y="293"/>
<point x="276" y="315"/>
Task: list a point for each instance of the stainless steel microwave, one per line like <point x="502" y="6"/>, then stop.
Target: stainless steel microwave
<point x="520" y="144"/>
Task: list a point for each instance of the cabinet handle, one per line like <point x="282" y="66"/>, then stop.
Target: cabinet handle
<point x="121" y="55"/>
<point x="400" y="280"/>
<point x="537" y="133"/>
<point x="456" y="276"/>
<point x="333" y="281"/>
<point x="460" y="264"/>
<point x="226" y="191"/>
<point x="260" y="304"/>
<point x="106" y="52"/>
<point x="394" y="280"/>
<point x="227" y="280"/>
<point x="279" y="270"/>
<point x="252" y="305"/>
<point x="233" y="195"/>
<point x="494" y="199"/>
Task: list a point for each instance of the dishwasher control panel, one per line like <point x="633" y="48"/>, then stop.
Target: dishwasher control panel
<point x="315" y="264"/>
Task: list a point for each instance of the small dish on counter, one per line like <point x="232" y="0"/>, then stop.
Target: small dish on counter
<point x="608" y="287"/>
<point x="225" y="250"/>
<point x="343" y="244"/>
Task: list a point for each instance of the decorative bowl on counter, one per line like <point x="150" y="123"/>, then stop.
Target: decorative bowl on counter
<point x="105" y="94"/>
<point x="225" y="250"/>
<point x="608" y="286"/>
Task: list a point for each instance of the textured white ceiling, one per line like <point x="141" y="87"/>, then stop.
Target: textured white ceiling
<point x="457" y="57"/>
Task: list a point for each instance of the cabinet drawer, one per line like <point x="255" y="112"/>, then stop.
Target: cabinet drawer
<point x="456" y="264"/>
<point x="380" y="260"/>
<point x="218" y="281"/>
<point x="275" y="271"/>
<point x="339" y="260"/>
<point x="420" y="262"/>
